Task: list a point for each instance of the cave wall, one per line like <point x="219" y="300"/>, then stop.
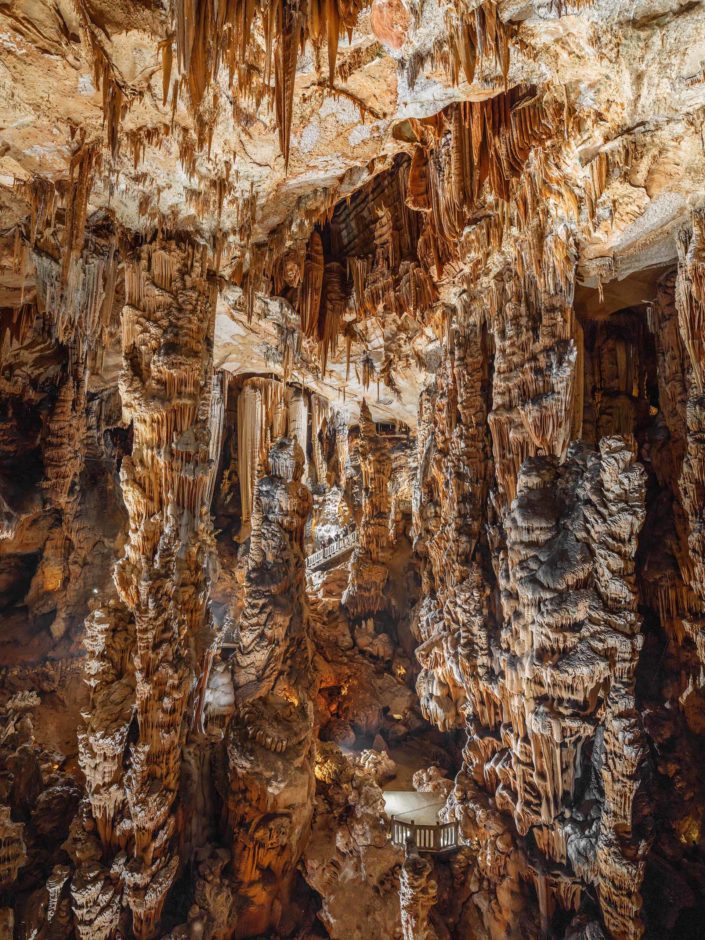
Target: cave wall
<point x="423" y="280"/>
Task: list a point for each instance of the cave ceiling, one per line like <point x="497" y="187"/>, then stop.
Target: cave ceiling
<point x="206" y="158"/>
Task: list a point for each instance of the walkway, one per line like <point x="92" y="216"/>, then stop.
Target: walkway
<point x="415" y="816"/>
<point x="340" y="547"/>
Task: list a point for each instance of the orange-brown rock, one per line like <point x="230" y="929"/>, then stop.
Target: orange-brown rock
<point x="368" y="572"/>
<point x="390" y="21"/>
<point x="270" y="736"/>
<point x="352" y="415"/>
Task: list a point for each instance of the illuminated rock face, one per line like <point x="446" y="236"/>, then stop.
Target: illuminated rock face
<point x="567" y="654"/>
<point x="269" y="745"/>
<point x="417" y="895"/>
<point x="368" y="572"/>
<point x="418" y="288"/>
<point x="143" y="662"/>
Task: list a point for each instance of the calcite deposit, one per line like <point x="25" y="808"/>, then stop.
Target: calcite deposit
<point x="352" y="470"/>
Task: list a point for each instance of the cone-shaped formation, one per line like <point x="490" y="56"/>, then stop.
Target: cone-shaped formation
<point x="417" y="895"/>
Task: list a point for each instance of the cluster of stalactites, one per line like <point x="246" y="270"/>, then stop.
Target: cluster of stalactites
<point x="142" y="656"/>
<point x="385" y="248"/>
<point x="75" y="269"/>
<point x="536" y="405"/>
<point x="369" y="263"/>
<point x="268" y="409"/>
<point x="210" y="34"/>
<point x="474" y="35"/>
<point x="468" y="150"/>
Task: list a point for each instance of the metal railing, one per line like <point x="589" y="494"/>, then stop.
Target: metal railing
<point x="338" y="547"/>
<point x="429" y="837"/>
<point x="404" y="505"/>
<point x="227" y="639"/>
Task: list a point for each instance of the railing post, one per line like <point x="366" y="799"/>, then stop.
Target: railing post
<point x="433" y="837"/>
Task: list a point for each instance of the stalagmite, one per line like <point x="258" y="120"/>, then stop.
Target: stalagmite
<point x="417" y="895"/>
<point x="690" y="298"/>
<point x="298" y="422"/>
<point x="368" y="572"/>
<point x="319" y="415"/>
<point x="161" y="580"/>
<point x="450" y="492"/>
<point x="269" y="746"/>
<point x="12" y="847"/>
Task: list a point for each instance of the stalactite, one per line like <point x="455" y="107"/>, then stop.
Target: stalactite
<point x="298" y="422"/>
<point x="259" y="422"/>
<point x="289" y="36"/>
<point x="208" y="33"/>
<point x="312" y="285"/>
<point x="319" y="420"/>
<point x="399" y="234"/>
<point x="332" y="308"/>
<point x="115" y="100"/>
<point x="473" y="34"/>
<point x="533" y="407"/>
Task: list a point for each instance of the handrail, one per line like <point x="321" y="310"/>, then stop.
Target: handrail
<point x="429" y="837"/>
<point x="227" y="639"/>
<point x="337" y="547"/>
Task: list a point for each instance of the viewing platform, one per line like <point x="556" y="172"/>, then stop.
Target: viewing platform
<point x="415" y="815"/>
<point x="336" y="549"/>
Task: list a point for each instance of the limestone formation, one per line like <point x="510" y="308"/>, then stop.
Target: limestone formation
<point x="352" y="466"/>
<point x="348" y="859"/>
<point x="368" y="572"/>
<point x="417" y="895"/>
<point x="269" y="744"/>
